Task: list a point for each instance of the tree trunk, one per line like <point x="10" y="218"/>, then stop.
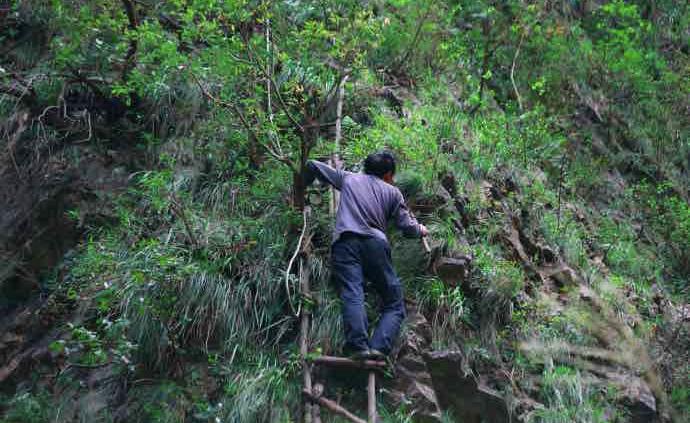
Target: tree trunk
<point x="299" y="191"/>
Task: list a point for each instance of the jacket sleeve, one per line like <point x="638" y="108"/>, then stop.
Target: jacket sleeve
<point x="403" y="217"/>
<point x="324" y="173"/>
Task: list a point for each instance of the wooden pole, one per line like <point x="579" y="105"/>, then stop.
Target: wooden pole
<point x="371" y="398"/>
<point x="425" y="243"/>
<point x="335" y="195"/>
<point x="303" y="338"/>
<point x="305" y="317"/>
<point x="269" y="70"/>
<point x="332" y="406"/>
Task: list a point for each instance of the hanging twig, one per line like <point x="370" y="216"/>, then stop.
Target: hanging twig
<point x="269" y="69"/>
<point x="292" y="260"/>
<point x="512" y="70"/>
<point x="278" y="151"/>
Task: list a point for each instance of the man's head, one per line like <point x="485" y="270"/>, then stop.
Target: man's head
<point x="381" y="164"/>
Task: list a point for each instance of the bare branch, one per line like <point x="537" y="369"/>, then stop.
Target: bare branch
<point x="331" y="406"/>
<point x="243" y="119"/>
<point x="413" y="44"/>
<point x="512" y="71"/>
<point x="180" y="212"/>
<point x="283" y="105"/>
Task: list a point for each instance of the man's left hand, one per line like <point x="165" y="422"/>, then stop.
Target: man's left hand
<point x="423" y="231"/>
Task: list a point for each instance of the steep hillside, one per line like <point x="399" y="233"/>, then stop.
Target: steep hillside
<point x="153" y="237"/>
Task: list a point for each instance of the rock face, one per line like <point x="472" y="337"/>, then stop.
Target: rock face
<point x="636" y="396"/>
<point x="45" y="204"/>
<point x="467" y="399"/>
<point x="412" y="385"/>
<point x="452" y="270"/>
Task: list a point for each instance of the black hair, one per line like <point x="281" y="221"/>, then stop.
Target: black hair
<point x="379" y="163"/>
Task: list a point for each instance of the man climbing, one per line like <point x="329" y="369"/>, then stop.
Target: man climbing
<point x="360" y="249"/>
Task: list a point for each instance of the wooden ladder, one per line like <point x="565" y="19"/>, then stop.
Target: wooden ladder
<point x="316" y="399"/>
<point x="313" y="393"/>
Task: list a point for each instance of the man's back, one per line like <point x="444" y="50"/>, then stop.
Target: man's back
<point x="367" y="202"/>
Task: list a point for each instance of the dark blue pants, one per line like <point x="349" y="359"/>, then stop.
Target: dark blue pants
<point x="355" y="258"/>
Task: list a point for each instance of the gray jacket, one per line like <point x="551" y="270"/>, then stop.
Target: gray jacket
<point x="367" y="202"/>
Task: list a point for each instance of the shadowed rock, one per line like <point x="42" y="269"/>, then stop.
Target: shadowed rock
<point x="412" y="384"/>
<point x="467" y="399"/>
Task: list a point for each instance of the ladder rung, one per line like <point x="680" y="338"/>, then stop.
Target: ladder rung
<point x="328" y="360"/>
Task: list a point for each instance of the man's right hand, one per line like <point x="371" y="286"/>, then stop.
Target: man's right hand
<point x="423" y="231"/>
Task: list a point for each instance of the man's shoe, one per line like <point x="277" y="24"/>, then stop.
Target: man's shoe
<point x="361" y="355"/>
<point x="376" y="355"/>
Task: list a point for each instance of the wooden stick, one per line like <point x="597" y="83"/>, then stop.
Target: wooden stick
<point x="332" y="406"/>
<point x="512" y="71"/>
<point x="335" y="195"/>
<point x="425" y="243"/>
<point x="316" y="410"/>
<point x="371" y="398"/>
<point x="304" y="336"/>
<point x="327" y="360"/>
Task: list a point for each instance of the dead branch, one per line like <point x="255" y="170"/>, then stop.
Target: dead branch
<point x="181" y="213"/>
<point x="332" y="406"/>
<point x="512" y="71"/>
<point x="133" y="42"/>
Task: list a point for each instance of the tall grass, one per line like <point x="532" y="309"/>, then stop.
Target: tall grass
<point x="568" y="398"/>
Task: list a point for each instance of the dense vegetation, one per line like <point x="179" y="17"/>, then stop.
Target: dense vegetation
<point x="151" y="165"/>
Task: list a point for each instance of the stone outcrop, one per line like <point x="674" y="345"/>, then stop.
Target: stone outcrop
<point x="412" y="385"/>
<point x="468" y="399"/>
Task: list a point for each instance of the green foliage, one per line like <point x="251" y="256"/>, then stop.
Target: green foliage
<point x="621" y="32"/>
<point x="162" y="403"/>
<point x="501" y="140"/>
<point x="564" y="231"/>
<point x="680" y="398"/>
<point x="262" y="392"/>
<point x="568" y="398"/>
<point x="417" y="142"/>
<point x="27" y="407"/>
<point x="414" y="37"/>
<point x="582" y="106"/>
<point x="498" y="276"/>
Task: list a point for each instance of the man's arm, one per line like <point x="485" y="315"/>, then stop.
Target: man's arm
<point x="405" y="221"/>
<point x="324" y="173"/>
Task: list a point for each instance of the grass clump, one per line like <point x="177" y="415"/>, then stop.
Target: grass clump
<point x="26" y="407"/>
<point x="568" y="398"/>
